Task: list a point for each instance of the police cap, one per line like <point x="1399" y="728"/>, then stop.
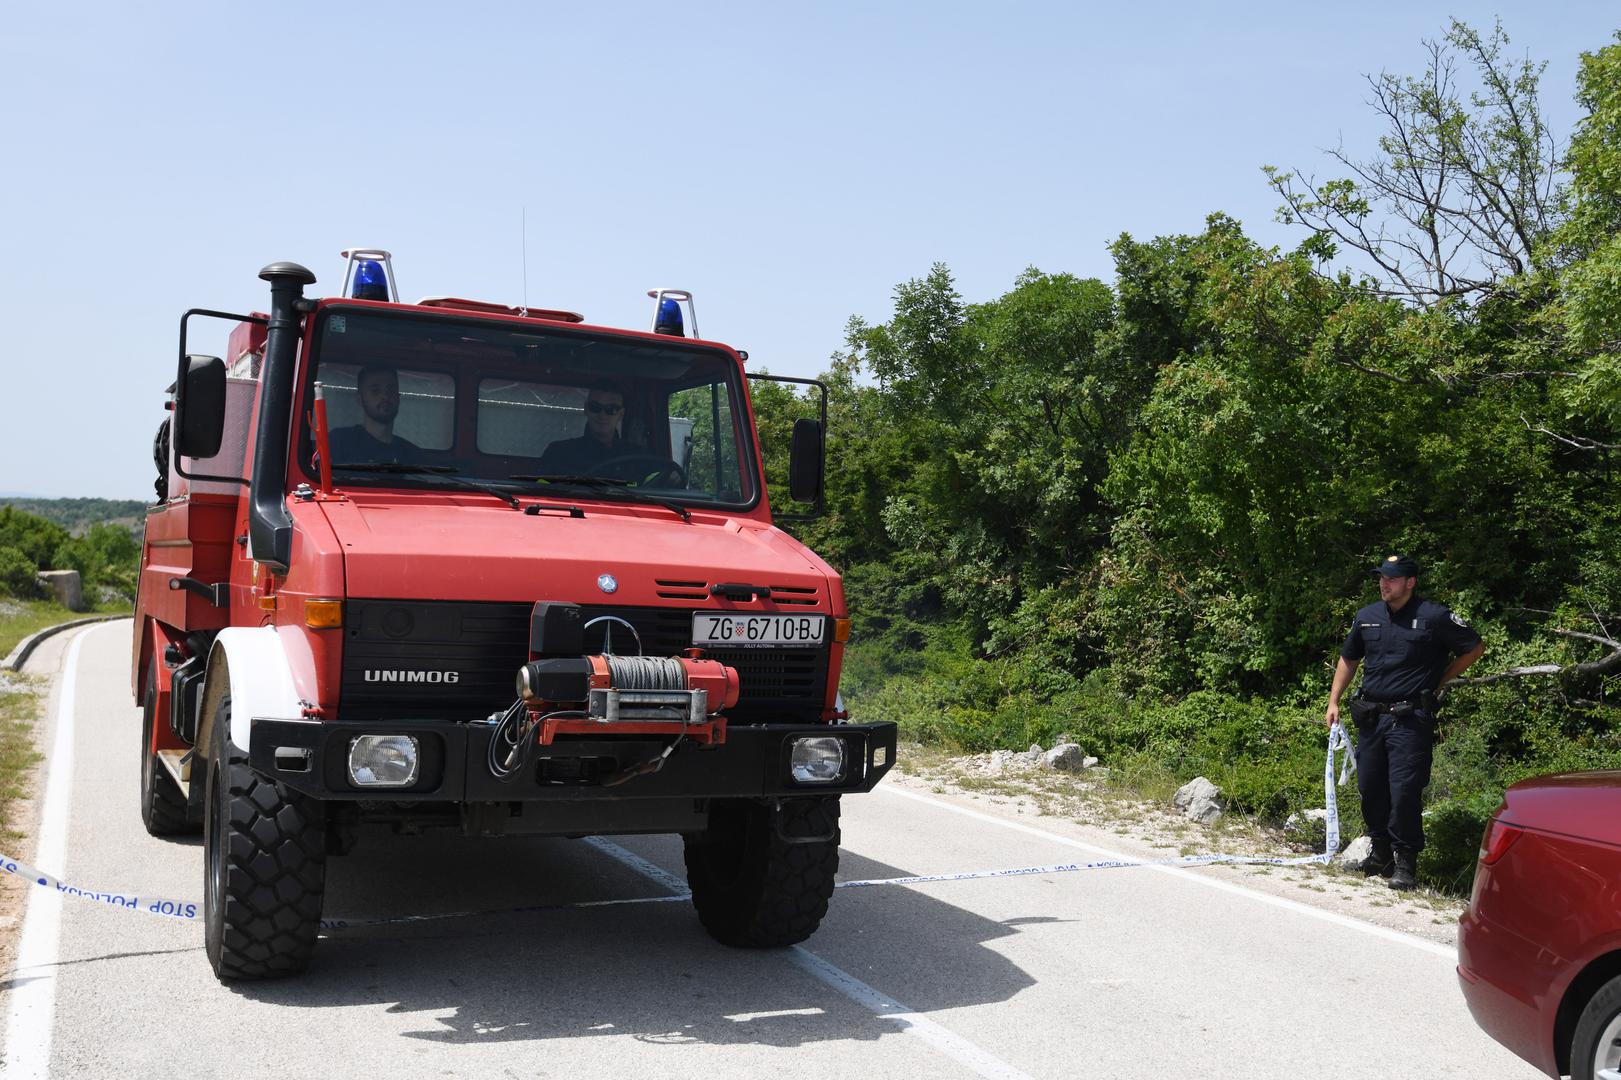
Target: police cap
<point x="1398" y="566"/>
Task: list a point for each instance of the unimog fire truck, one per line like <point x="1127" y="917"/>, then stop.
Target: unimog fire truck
<point x="492" y="569"/>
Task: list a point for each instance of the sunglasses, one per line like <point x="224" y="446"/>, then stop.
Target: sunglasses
<point x="603" y="408"/>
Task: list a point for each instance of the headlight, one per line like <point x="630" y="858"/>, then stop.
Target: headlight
<point x="383" y="760"/>
<point x="816" y="759"/>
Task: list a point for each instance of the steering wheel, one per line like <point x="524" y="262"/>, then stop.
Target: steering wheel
<point x="645" y="466"/>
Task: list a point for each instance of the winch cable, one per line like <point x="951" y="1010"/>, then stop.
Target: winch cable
<point x="648" y="673"/>
<point x="652" y="764"/>
<point x="513" y="744"/>
<point x="506" y="742"/>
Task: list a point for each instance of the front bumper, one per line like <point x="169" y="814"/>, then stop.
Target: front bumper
<point x="311" y="756"/>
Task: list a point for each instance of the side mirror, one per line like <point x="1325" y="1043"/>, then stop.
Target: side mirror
<point x="199" y="408"/>
<point x="805" y="462"/>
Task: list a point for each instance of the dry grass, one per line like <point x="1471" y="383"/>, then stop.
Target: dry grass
<point x="19" y="618"/>
<point x="20" y="705"/>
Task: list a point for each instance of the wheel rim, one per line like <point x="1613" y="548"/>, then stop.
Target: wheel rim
<point x="1607" y="1054"/>
<point x="148" y="716"/>
<point x="147" y="760"/>
<point x="214" y="849"/>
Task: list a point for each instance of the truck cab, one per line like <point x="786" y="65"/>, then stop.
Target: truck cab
<point x="458" y="565"/>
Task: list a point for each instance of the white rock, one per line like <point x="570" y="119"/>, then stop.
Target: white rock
<point x="1299" y="819"/>
<point x="1066" y="758"/>
<point x="1357" y="850"/>
<point x="1308" y="827"/>
<point x="1088" y="763"/>
<point x="65" y="586"/>
<point x="1199" y="800"/>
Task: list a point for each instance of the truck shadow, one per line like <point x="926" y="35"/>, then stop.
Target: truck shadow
<point x="648" y="971"/>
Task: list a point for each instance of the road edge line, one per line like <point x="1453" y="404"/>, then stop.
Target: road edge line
<point x="19" y="655"/>
<point x="1296" y="906"/>
<point x="31" y="1014"/>
<point x="884" y="1007"/>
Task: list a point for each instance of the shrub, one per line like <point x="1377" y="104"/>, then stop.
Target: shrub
<point x="18" y="574"/>
<point x="1452" y="832"/>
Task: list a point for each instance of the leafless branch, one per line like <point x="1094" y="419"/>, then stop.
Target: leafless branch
<point x="1577" y="441"/>
<point x="1353" y="365"/>
<point x="1464" y="187"/>
<point x="1603" y="665"/>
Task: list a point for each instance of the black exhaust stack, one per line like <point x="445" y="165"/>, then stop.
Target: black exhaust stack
<point x="270" y="527"/>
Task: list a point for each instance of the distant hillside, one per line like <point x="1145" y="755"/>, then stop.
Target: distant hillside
<point x="77" y="515"/>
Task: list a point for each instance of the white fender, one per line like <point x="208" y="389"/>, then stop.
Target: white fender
<point x="261" y="679"/>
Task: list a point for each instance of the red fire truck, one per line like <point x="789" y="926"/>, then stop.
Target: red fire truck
<point x="492" y="569"/>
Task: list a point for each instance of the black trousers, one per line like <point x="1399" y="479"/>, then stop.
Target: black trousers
<point x="1393" y="756"/>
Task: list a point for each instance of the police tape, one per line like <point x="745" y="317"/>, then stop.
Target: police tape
<point x="187" y="910"/>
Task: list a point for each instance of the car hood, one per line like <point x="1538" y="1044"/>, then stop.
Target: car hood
<point x="441" y="547"/>
<point x="1584" y="804"/>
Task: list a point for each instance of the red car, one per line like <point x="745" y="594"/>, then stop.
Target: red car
<point x="1539" y="949"/>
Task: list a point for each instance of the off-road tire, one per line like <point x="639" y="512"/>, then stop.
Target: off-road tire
<point x="1598" y="1019"/>
<point x="163" y="806"/>
<point x="264" y="856"/>
<point x="751" y="887"/>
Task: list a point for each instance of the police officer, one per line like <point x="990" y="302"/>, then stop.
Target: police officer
<point x="1413" y="647"/>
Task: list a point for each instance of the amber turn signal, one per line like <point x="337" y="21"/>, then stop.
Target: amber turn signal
<point x="841" y="630"/>
<point x="323" y="614"/>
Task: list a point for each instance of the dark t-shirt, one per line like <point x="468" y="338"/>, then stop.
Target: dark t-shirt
<point x="579" y="456"/>
<point x="1406" y="650"/>
<point x="355" y="446"/>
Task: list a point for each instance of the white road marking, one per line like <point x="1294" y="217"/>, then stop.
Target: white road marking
<point x="883" y="1006"/>
<point x="33" y="991"/>
<point x="1203" y="879"/>
<point x="744" y="1018"/>
<point x="640" y="865"/>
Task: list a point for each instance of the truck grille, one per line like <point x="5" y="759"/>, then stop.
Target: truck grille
<point x="398" y="658"/>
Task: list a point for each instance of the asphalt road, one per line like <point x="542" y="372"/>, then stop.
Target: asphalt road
<point x="1112" y="973"/>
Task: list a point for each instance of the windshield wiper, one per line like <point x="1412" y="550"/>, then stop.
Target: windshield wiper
<point x="396" y="468"/>
<point x="606" y="486"/>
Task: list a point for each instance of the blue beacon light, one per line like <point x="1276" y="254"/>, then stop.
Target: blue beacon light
<point x="370" y="281"/>
<point x="669" y="319"/>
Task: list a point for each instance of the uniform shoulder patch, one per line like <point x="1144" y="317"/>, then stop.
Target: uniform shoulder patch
<point x="1458" y="619"/>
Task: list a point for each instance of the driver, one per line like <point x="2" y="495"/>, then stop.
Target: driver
<point x="373" y="439"/>
<point x="604" y="409"/>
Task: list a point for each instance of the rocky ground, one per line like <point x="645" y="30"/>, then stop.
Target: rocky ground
<point x="1059" y="783"/>
<point x="24" y="698"/>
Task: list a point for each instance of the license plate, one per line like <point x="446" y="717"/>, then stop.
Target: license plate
<point x="744" y="631"/>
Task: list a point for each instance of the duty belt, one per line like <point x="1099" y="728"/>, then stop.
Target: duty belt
<point x="1425" y="701"/>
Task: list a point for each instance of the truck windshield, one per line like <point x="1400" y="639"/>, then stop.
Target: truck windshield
<point x="506" y="405"/>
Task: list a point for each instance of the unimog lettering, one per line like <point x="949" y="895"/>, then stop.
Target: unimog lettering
<point x="413" y="676"/>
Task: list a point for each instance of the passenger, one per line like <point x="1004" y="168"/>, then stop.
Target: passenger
<point x="373" y="439"/>
<point x="604" y="408"/>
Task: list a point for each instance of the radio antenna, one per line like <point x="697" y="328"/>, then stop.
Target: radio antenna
<point x="523" y="228"/>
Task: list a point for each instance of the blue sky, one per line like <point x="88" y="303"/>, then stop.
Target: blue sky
<point x="789" y="165"/>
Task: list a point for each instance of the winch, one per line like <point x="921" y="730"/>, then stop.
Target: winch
<point x="633" y="694"/>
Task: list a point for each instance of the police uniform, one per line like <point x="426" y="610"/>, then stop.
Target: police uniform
<point x="1404" y="653"/>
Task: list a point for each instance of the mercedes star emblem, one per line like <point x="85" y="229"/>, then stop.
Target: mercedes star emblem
<point x="607" y="583"/>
